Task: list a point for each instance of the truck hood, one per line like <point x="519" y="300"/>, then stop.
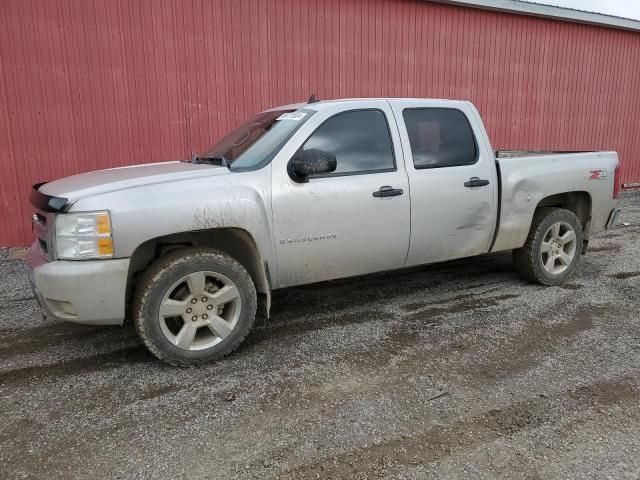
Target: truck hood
<point x="105" y="181"/>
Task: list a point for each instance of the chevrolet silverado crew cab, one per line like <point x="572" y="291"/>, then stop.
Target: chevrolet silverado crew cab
<point x="304" y="193"/>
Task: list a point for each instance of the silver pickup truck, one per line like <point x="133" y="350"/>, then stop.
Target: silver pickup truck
<point x="191" y="250"/>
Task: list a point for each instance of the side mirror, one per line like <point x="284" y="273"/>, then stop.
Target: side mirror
<point x="310" y="162"/>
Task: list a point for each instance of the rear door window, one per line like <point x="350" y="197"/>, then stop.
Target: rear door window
<point x="440" y="137"/>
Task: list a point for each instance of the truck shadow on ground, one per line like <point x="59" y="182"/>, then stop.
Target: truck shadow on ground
<point x="357" y="291"/>
<point x="363" y="299"/>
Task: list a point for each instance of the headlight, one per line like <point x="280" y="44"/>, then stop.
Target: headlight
<point x="83" y="235"/>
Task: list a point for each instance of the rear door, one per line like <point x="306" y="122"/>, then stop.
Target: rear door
<point x="452" y="179"/>
<point x="350" y="222"/>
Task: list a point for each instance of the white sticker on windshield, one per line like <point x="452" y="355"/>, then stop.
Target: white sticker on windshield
<point x="296" y="116"/>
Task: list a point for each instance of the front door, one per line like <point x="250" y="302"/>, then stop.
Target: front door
<point x="350" y="222"/>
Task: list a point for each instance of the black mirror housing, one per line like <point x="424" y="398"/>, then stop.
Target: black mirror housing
<point x="310" y="162"/>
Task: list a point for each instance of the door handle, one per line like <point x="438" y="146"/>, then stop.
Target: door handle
<point x="388" y="191"/>
<point x="476" y="182"/>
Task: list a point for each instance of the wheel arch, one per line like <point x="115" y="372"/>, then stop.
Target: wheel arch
<point x="519" y="209"/>
<point x="579" y="203"/>
<point x="235" y="242"/>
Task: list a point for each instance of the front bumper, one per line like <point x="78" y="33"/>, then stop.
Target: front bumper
<point x="87" y="291"/>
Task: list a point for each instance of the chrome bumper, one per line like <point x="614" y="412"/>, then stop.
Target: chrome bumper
<point x="88" y="291"/>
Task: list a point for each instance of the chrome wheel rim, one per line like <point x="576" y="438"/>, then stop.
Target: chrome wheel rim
<point x="199" y="311"/>
<point x="559" y="247"/>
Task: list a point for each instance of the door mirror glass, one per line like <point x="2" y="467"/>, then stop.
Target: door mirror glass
<point x="311" y="162"/>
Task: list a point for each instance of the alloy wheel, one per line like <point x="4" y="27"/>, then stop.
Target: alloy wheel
<point x="558" y="248"/>
<point x="199" y="311"/>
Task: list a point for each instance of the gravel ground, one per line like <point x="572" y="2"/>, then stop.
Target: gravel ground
<point x="452" y="371"/>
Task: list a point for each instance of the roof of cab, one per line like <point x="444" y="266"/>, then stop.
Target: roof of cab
<point x="317" y="105"/>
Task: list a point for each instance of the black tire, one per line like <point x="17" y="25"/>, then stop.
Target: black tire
<point x="528" y="259"/>
<point x="157" y="281"/>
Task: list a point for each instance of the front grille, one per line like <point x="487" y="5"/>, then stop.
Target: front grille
<point x="41" y="227"/>
<point x="44" y="246"/>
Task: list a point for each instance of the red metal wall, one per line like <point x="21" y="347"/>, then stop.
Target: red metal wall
<point x="87" y="84"/>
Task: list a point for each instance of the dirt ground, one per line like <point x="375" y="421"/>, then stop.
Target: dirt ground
<point x="459" y="370"/>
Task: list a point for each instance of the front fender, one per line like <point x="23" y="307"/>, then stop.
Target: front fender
<point x="140" y="214"/>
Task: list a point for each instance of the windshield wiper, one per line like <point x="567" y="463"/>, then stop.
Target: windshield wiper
<point x="211" y="159"/>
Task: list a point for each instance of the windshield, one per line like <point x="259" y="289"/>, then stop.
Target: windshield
<point x="254" y="143"/>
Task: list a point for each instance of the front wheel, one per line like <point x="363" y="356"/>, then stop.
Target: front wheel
<point x="193" y="306"/>
<point x="553" y="247"/>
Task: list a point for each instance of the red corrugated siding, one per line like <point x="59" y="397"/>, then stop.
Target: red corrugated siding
<point x="87" y="84"/>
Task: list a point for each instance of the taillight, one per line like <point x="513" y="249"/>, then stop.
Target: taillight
<point x="617" y="184"/>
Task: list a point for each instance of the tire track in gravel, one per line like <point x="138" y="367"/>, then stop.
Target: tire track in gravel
<point x="123" y="357"/>
<point x="14" y="344"/>
<point x="412" y="349"/>
<point x="413" y="343"/>
<point x="441" y="441"/>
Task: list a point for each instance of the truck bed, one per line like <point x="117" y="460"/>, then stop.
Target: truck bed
<point x="528" y="177"/>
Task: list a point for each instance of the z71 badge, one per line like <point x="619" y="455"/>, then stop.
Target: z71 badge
<point x="598" y="175"/>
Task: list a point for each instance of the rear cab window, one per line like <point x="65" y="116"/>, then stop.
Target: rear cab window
<point x="440" y="137"/>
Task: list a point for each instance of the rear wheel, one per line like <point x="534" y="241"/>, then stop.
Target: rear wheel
<point x="553" y="247"/>
<point x="194" y="306"/>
